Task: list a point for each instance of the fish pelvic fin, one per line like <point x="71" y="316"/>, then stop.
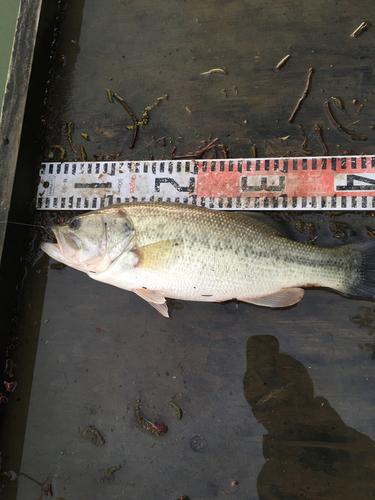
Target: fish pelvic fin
<point x="284" y="298"/>
<point x="363" y="280"/>
<point x="155" y="298"/>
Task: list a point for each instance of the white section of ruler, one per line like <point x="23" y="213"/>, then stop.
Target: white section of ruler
<point x="87" y="186"/>
<point x="328" y="183"/>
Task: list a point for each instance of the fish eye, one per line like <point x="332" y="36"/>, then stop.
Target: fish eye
<point x="74" y="223"/>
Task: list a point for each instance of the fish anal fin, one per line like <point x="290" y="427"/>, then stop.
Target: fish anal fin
<point x="155" y="298"/>
<point x="283" y="298"/>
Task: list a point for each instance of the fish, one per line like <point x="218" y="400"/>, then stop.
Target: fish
<point x="185" y="252"/>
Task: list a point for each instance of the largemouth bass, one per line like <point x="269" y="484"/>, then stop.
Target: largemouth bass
<point x="160" y="250"/>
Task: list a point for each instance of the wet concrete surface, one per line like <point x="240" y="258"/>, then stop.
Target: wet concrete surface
<point x="277" y="404"/>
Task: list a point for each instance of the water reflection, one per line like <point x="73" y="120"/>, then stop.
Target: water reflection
<point x="310" y="452"/>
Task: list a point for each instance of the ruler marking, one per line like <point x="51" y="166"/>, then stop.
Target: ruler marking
<point x="297" y="183"/>
<point x="92" y="185"/>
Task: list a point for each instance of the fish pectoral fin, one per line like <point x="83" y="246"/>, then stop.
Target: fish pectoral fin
<point x="155" y="298"/>
<point x="160" y="255"/>
<point x="284" y="298"/>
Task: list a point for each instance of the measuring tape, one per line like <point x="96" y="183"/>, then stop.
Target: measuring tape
<point x="308" y="183"/>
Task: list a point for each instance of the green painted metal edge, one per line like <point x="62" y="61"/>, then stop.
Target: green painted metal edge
<point x="12" y="113"/>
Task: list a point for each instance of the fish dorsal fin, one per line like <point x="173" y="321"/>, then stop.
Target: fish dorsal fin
<point x="283" y="298"/>
<point x="155" y="298"/>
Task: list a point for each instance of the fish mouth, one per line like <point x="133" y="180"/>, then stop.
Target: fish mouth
<point x="67" y="250"/>
<point x="59" y="251"/>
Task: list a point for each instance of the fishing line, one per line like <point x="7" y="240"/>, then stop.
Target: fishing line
<point x="25" y="224"/>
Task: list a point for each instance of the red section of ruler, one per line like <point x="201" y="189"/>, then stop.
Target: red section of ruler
<point x="291" y="176"/>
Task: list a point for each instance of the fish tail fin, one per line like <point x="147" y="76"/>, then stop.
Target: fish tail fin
<point x="363" y="280"/>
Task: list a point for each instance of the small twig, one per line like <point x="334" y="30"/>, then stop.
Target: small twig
<point x="162" y="139"/>
<point x="69" y="134"/>
<point x="305" y="92"/>
<point x="340" y="127"/>
<point x="280" y="64"/>
<point x="188" y="156"/>
<point x="62" y="151"/>
<point x="318" y="130"/>
<point x="225" y="152"/>
<point x="303" y="133"/>
<point x="198" y="154"/>
<point x="144" y="120"/>
<point x="353" y="123"/>
<point x="83" y="154"/>
<point x="109" y="95"/>
<point x="132" y="116"/>
<point x="201" y="152"/>
<point x="215" y="70"/>
<point x="338" y="102"/>
<point x="361" y="28"/>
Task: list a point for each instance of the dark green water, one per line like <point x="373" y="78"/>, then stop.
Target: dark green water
<point x="8" y="18"/>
